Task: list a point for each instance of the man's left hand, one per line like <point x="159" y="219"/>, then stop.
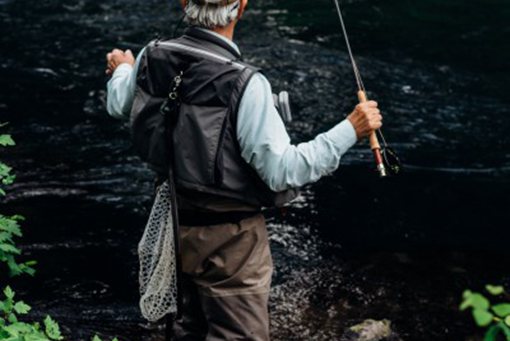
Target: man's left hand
<point x="117" y="57"/>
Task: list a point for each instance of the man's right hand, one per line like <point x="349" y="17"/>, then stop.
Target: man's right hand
<point x="365" y="118"/>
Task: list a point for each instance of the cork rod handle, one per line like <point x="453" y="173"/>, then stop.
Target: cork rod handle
<point x="374" y="142"/>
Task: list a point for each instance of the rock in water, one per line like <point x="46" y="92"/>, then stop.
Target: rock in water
<point x="371" y="330"/>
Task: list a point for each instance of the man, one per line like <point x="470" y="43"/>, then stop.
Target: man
<point x="232" y="155"/>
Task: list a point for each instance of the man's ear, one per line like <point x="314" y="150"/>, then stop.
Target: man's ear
<point x="242" y="7"/>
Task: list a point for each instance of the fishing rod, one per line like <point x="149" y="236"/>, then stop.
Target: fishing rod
<point x="386" y="159"/>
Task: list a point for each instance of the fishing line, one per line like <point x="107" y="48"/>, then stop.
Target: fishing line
<point x="357" y="75"/>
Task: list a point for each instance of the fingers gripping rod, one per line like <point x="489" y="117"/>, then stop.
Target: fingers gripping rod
<point x="362" y="96"/>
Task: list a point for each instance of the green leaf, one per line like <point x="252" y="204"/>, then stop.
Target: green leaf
<point x="492" y="333"/>
<point x="52" y="329"/>
<point x="27" y="268"/>
<point x="14" y="268"/>
<point x="5" y="236"/>
<point x="115" y="339"/>
<point x="474" y="300"/>
<point x="7" y="306"/>
<point x="482" y="317"/>
<point x="505" y="330"/>
<point x="6" y="140"/>
<point x="9" y="248"/>
<point x="9" y="293"/>
<point x="20" y="328"/>
<point x="96" y="338"/>
<point x="10" y="225"/>
<point x="5" y="170"/>
<point x="480" y="302"/>
<point x="465" y="304"/>
<point x="12" y="318"/>
<point x="12" y="330"/>
<point x="502" y="309"/>
<point x="21" y="308"/>
<point x="17" y="217"/>
<point x="495" y="289"/>
<point x="507" y="321"/>
<point x="466" y="294"/>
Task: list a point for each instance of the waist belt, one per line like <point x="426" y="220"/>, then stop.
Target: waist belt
<point x="197" y="218"/>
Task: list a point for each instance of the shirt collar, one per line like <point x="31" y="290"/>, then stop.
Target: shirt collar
<point x="217" y="35"/>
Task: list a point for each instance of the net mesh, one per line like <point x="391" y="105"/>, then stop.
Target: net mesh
<point x="156" y="251"/>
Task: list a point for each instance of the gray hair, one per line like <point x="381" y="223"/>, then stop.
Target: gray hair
<point x="211" y="15"/>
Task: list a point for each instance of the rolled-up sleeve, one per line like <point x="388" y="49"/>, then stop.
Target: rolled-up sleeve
<point x="266" y="146"/>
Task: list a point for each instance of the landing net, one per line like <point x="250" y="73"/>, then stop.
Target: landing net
<point x="157" y="254"/>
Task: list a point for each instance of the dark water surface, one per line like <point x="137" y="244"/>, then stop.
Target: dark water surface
<point x="352" y="247"/>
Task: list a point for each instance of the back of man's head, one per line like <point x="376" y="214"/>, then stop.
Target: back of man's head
<point x="212" y="13"/>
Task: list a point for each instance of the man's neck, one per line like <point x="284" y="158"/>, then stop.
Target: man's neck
<point x="227" y="31"/>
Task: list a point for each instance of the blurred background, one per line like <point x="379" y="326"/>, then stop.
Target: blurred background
<point x="353" y="246"/>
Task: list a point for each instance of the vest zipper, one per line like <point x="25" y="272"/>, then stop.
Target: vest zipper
<point x="218" y="165"/>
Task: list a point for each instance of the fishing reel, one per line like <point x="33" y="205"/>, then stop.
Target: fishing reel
<point x="390" y="160"/>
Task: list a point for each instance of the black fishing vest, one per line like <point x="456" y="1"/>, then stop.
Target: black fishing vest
<point x="206" y="155"/>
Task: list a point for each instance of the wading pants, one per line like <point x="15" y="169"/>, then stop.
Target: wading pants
<point x="227" y="275"/>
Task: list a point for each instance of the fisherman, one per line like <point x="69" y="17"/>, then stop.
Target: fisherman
<point x="232" y="156"/>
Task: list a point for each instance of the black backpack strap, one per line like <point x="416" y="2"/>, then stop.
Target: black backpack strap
<point x="198" y="52"/>
<point x="239" y="89"/>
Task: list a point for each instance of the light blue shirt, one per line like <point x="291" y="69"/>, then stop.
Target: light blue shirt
<point x="264" y="141"/>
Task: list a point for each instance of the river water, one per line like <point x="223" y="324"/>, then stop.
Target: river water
<point x="353" y="246"/>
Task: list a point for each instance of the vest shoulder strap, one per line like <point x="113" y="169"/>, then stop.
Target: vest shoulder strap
<point x="200" y="52"/>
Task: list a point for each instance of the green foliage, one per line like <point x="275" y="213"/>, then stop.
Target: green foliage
<point x="9" y="226"/>
<point x="496" y="317"/>
<point x="6" y="176"/>
<point x="482" y="317"/>
<point x="9" y="230"/>
<point x="6" y="140"/>
<point x="494" y="290"/>
<point x="52" y="329"/>
<point x="474" y="300"/>
<point x="11" y="328"/>
<point x="502" y="309"/>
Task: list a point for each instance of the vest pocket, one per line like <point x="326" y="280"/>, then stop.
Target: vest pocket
<point x="197" y="143"/>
